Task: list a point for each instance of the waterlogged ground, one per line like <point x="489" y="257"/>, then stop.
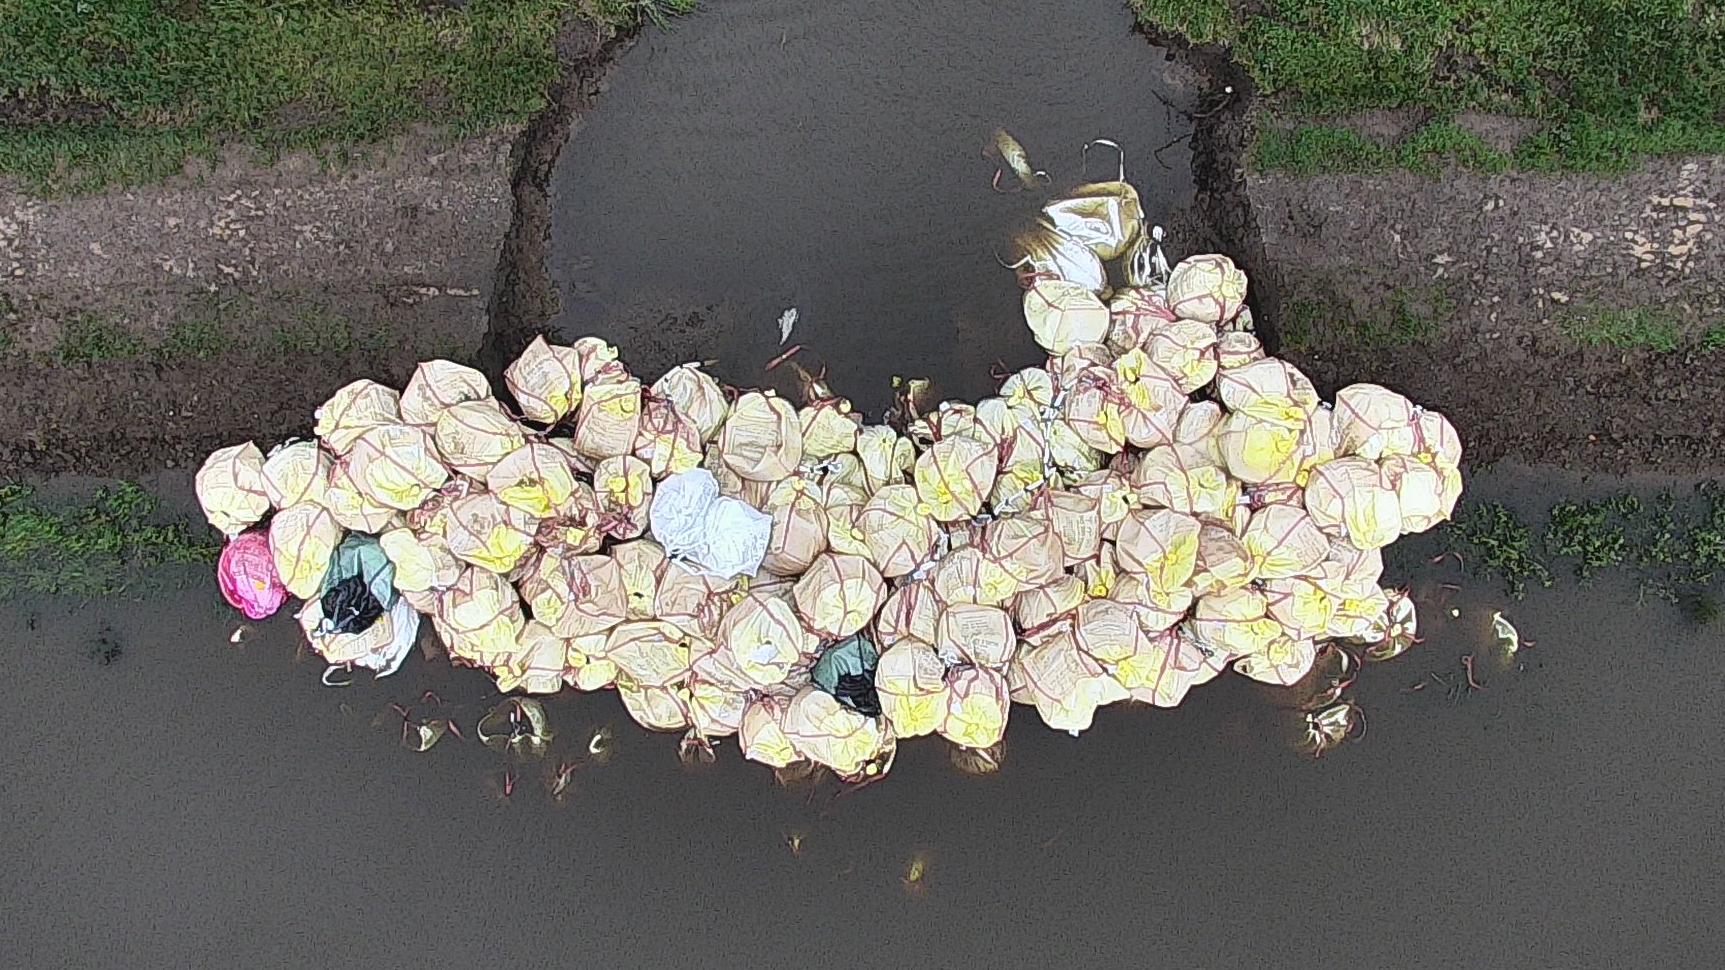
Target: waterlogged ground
<point x="201" y="803"/>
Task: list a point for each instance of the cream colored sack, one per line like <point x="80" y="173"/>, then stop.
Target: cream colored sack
<point x="838" y="595"/>
<point x="761" y="734"/>
<point x="1233" y="622"/>
<point x="1065" y="684"/>
<point x="609" y="419"/>
<point x="474" y="435"/>
<point x="641" y="562"/>
<point x="668" y="442"/>
<point x="965" y="575"/>
<point x="1223" y="562"/>
<point x="1373" y="422"/>
<point x="1163" y="674"/>
<point x="296" y="472"/>
<point x="1283" y="541"/>
<point x="975" y="634"/>
<point x="577" y="596"/>
<point x="1134" y="313"/>
<point x="1151" y="400"/>
<point x="900" y="530"/>
<point x="829" y="428"/>
<point x="1026" y="547"/>
<point x="487" y="533"/>
<point x="799" y="529"/>
<point x="887" y="456"/>
<point x="539" y="665"/>
<point x="1184" y="350"/>
<point x="624" y="489"/>
<point x="534" y="478"/>
<point x="353" y="509"/>
<point x="230" y="488"/>
<point x="546" y="381"/>
<point x="1061" y="314"/>
<point x="302" y="541"/>
<point x="695" y="395"/>
<point x="1270" y="390"/>
<point x="655" y="708"/>
<point x="1420" y="492"/>
<point x="1161" y="544"/>
<point x="954" y="475"/>
<point x="396" y="465"/>
<point x="1157" y="610"/>
<point x="421" y="563"/>
<point x="1035" y="608"/>
<point x="764" y="639"/>
<point x="1282" y="661"/>
<point x="910" y="613"/>
<point x="911" y="682"/>
<point x="353" y="410"/>
<point x="977" y="703"/>
<point x="762" y="440"/>
<point x="1349" y="497"/>
<point x="653" y="653"/>
<point x="438" y="385"/>
<point x="1258" y="451"/>
<point x="481" y="615"/>
<point x="831" y="734"/>
<point x="1173" y="478"/>
<point x="1207" y="288"/>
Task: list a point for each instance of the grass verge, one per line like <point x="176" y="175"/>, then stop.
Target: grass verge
<point x="102" y="546"/>
<point x="123" y="91"/>
<point x="1608" y="81"/>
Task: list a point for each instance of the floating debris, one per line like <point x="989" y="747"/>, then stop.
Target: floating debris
<point x="787" y="320"/>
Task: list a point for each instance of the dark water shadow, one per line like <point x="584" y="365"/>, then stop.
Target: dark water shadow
<point x="828" y="156"/>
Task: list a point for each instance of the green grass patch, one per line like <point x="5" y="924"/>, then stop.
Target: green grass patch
<point x="192" y="338"/>
<point x="89" y="338"/>
<point x="107" y="544"/>
<point x="1609" y="80"/>
<point x="319" y="332"/>
<point x="1498" y="542"/>
<point x="1309" y="148"/>
<point x="1646" y="327"/>
<point x="102" y="92"/>
<point x="1413" y="314"/>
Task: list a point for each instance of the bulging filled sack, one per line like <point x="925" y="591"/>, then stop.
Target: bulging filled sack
<point x="953" y="477"/>
<point x="246" y="573"/>
<point x="230" y="488"/>
<point x="831" y="734"/>
<point x="577" y="595"/>
<point x="1065" y="684"/>
<point x="899" y="529"/>
<point x="302" y="541"/>
<point x="838" y="594"/>
<point x="1062" y="313"/>
<point x="911" y="681"/>
<point x="975" y="634"/>
<point x="977" y="703"/>
<point x="1207" y="288"/>
<point x="396" y="466"/>
<point x="352" y="411"/>
<point x="546" y="381"/>
<point x="485" y="532"/>
<point x="534" y="478"/>
<point x="438" y="385"/>
<point x="762" y="440"/>
<point x="296" y="472"/>
<point x="763" y="638"/>
<point x="474" y="435"/>
<point x="696" y="395"/>
<point x="608" y="421"/>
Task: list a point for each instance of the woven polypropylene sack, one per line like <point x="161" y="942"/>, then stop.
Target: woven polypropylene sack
<point x="799" y="530"/>
<point x="482" y="614"/>
<point x="438" y="385"/>
<point x="909" y="613"/>
<point x="1184" y="350"/>
<point x="967" y="576"/>
<point x="1168" y="669"/>
<point x="761" y="734"/>
<point x="1174" y="479"/>
<point x="1157" y="609"/>
<point x="585" y="666"/>
<point x="296" y="472"/>
<point x="230" y="487"/>
<point x="1151" y="400"/>
<point x="302" y="540"/>
<point x="843" y="535"/>
<point x="624" y="488"/>
<point x="487" y="533"/>
<point x="1301" y="605"/>
<point x="352" y="411"/>
<point x="764" y="638"/>
<point x="1134" y="313"/>
<point x="696" y="395"/>
<point x="1420" y="492"/>
<point x="534" y="478"/>
<point x="829" y="428"/>
<point x="1161" y="544"/>
<point x="653" y="653"/>
<point x="1283" y="541"/>
<point x="953" y="477"/>
<point x="1061" y="313"/>
<point x="1233" y="622"/>
<point x="641" y="563"/>
<point x="1222" y="563"/>
<point x="1033" y="608"/>
<point x="977" y="704"/>
<point x="608" y="421"/>
<point x="886" y="455"/>
<point x="668" y="441"/>
<point x="715" y="710"/>
<point x="1065" y="684"/>
<point x="1027" y="547"/>
<point x="1237" y="349"/>
<point x="1109" y="631"/>
<point x="911" y="682"/>
<point x="1350" y="498"/>
<point x="1077" y="521"/>
<point x="1258" y="451"/>
<point x="1208" y="288"/>
<point x="762" y="440"/>
<point x="421" y="562"/>
<point x="474" y="435"/>
<point x="577" y="595"/>
<point x="1091" y="406"/>
<point x="1282" y="661"/>
<point x="692" y="599"/>
<point x="1374" y="421"/>
<point x="976" y="634"/>
<point x="396" y="465"/>
<point x="655" y="708"/>
<point x="900" y="530"/>
<point x="354" y="509"/>
<point x="1030" y="389"/>
<point x="1270" y="390"/>
<point x="546" y="381"/>
<point x="831" y="734"/>
<point x="838" y="594"/>
<point x="538" y="667"/>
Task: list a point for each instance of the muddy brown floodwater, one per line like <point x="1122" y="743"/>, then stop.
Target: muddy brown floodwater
<point x="828" y="157"/>
<point x="202" y="804"/>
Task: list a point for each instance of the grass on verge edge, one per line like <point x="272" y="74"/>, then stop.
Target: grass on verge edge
<point x="101" y="546"/>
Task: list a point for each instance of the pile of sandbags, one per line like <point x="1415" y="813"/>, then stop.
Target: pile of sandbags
<point x="1160" y="502"/>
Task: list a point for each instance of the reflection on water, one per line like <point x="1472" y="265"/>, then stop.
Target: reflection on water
<point x="201" y="800"/>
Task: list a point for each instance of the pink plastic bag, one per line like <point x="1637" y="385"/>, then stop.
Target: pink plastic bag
<point x="247" y="574"/>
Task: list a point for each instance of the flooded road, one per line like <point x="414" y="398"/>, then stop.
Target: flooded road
<point x="824" y="156"/>
<point x="199" y="803"/>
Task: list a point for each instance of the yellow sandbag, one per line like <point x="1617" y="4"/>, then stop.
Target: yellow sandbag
<point x="655" y="708"/>
<point x="911" y="682"/>
<point x="1420" y="492"/>
<point x="474" y="435"/>
<point x="1134" y="313"/>
<point x="546" y="381"/>
<point x="954" y="476"/>
<point x="1065" y="684"/>
<point x="624" y="489"/>
<point x="1233" y="622"/>
<point x="696" y="395"/>
<point x="1348" y="497"/>
<point x="1061" y="313"/>
<point x="829" y="428"/>
<point x="609" y="419"/>
<point x="909" y="613"/>
<point x="1156" y="609"/>
<point x="886" y="456"/>
<point x="1437" y="444"/>
<point x="1257" y="451"/>
<point x="353" y="509"/>
<point x="1184" y="350"/>
<point x="534" y="478"/>
<point x="1282" y="661"/>
<point x="1171" y="666"/>
<point x="668" y="441"/>
<point x="295" y="473"/>
<point x="577" y="596"/>
<point x="1099" y="574"/>
<point x="1301" y="605"/>
<point x="1077" y="521"/>
<point x="762" y="440"/>
<point x="1223" y="562"/>
<point x="843" y="534"/>
<point x="1169" y="478"/>
<point x="396" y="465"/>
<point x="694" y="601"/>
<point x="967" y="576"/>
<point x="352" y="411"/>
<point x="838" y="595"/>
<point x="761" y="734"/>
<point x="585" y="666"/>
<point x="597" y="358"/>
<point x="1034" y="608"/>
<point x="899" y="528"/>
<point x="715" y="710"/>
<point x="1207" y="288"/>
<point x="1358" y="617"/>
<point x="438" y="385"/>
<point x="977" y="634"/>
<point x="538" y="667"/>
<point x="1026" y="547"/>
<point x="421" y="563"/>
<point x="1373" y="422"/>
<point x="1067" y="451"/>
<point x="1196" y="436"/>
<point x="482" y="615"/>
<point x="1284" y="541"/>
<point x="1270" y="390"/>
<point x="302" y="540"/>
<point x="977" y="704"/>
<point x="1161" y="544"/>
<point x="1091" y="407"/>
<point x="1030" y="389"/>
<point x="487" y="533"/>
<point x="653" y="653"/>
<point x="799" y="531"/>
<point x="641" y="563"/>
<point x="831" y="734"/>
<point x="1151" y="401"/>
<point x="230" y="487"/>
<point x="1237" y="349"/>
<point x="1108" y="630"/>
<point x="764" y="638"/>
<point x="577" y="527"/>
